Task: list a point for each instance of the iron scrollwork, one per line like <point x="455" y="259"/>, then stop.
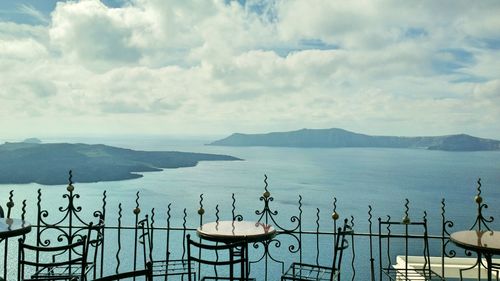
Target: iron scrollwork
<point x="481" y="221"/>
<point x="445" y="234"/>
<point x="267" y="216"/>
<point x="480" y="224"/>
<point x="70" y="227"/>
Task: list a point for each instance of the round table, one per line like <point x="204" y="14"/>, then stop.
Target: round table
<point x="233" y="231"/>
<point x="13" y="227"/>
<point x="484" y="243"/>
<point x="236" y="231"/>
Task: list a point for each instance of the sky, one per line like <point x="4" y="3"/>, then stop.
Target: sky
<point x="215" y="67"/>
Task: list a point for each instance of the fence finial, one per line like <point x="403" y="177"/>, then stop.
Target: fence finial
<point x="335" y="215"/>
<point x="70" y="187"/>
<point x="370" y="216"/>
<point x="478" y="199"/>
<point x="406" y="218"/>
<point x="10" y="203"/>
<point x="217" y="213"/>
<point x="201" y="211"/>
<point x="169" y="208"/>
<point x="481" y="221"/>
<point x="137" y="210"/>
<point x="300" y="204"/>
<point x="266" y="193"/>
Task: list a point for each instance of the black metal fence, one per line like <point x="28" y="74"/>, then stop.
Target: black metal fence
<point x="122" y="246"/>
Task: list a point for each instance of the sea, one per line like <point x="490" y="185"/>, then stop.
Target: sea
<point x="349" y="181"/>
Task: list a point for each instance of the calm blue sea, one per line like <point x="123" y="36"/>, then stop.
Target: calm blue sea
<point x="357" y="177"/>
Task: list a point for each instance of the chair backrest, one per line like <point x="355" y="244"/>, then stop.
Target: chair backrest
<point x="236" y="255"/>
<point x="147" y="273"/>
<point x="145" y="231"/>
<point x="340" y="245"/>
<point x="402" y="238"/>
<point x="1" y="212"/>
<point x="95" y="244"/>
<point x="145" y="239"/>
<point x="93" y="248"/>
<point x="45" y="257"/>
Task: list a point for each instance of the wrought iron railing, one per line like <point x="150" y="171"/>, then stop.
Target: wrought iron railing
<point x="121" y="247"/>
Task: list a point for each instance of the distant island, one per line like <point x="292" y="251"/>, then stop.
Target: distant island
<point x="33" y="162"/>
<point x="32" y="140"/>
<point x="342" y="138"/>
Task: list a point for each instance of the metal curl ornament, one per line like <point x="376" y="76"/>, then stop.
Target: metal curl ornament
<point x="335" y="215"/>
<point x="23" y="210"/>
<point x="169" y="208"/>
<point x="481" y="221"/>
<point x="406" y="217"/>
<point x="451" y="253"/>
<point x="300" y="204"/>
<point x="137" y="210"/>
<point x="236" y="217"/>
<point x="201" y="211"/>
<point x="267" y="215"/>
<point x="478" y="199"/>
<point x="70" y="186"/>
<point x="370" y="216"/>
<point x="184" y="218"/>
<point x="10" y="203"/>
<point x="100" y="213"/>
<point x="217" y="218"/>
<point x="266" y="193"/>
<point x="117" y="255"/>
<point x="69" y="224"/>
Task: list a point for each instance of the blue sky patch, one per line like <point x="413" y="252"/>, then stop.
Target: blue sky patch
<point x="306" y="44"/>
<point x="317" y="44"/>
<point x="468" y="78"/>
<point x="263" y="8"/>
<point x="114" y="3"/>
<point x="37" y="12"/>
<point x="493" y="44"/>
<point x="415" y="32"/>
<point x="450" y="60"/>
<point x="32" y="12"/>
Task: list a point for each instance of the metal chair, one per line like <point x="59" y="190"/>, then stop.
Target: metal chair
<point x="93" y="247"/>
<point x="304" y="271"/>
<point x="404" y="237"/>
<point x="2" y="215"/>
<point x="164" y="267"/>
<point x="147" y="273"/>
<point x="72" y="257"/>
<point x="236" y="256"/>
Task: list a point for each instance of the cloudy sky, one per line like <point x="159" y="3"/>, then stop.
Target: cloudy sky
<point x="203" y="67"/>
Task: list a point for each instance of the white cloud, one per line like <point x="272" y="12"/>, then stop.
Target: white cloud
<point x="209" y="67"/>
<point x="90" y="33"/>
<point x="25" y="49"/>
<point x="488" y="95"/>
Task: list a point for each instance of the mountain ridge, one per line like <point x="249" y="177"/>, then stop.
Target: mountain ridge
<point x="337" y="137"/>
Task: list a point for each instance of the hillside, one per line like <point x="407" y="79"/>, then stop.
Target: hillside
<point x="28" y="162"/>
<point x="341" y="138"/>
